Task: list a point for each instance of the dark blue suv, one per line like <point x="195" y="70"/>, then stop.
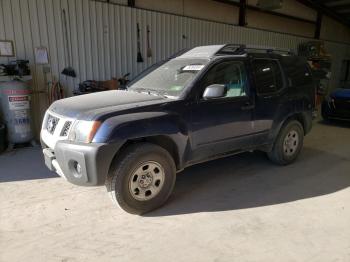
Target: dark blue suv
<point x="206" y="103"/>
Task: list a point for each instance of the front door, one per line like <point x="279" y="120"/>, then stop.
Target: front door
<point x="221" y="125"/>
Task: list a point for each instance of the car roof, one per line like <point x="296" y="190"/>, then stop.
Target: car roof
<point x="236" y="50"/>
<point x="207" y="51"/>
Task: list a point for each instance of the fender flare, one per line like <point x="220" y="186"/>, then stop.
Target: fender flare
<point x="147" y="126"/>
<point x="304" y="117"/>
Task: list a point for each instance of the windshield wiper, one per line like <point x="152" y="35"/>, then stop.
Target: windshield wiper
<point x="149" y="91"/>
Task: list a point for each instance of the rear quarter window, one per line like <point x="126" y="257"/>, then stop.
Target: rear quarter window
<point x="297" y="71"/>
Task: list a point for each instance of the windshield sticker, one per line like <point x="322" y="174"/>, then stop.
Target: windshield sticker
<point x="176" y="88"/>
<point x="193" y="68"/>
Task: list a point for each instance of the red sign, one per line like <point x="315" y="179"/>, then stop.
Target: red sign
<point x="18" y="98"/>
<point x="17" y="91"/>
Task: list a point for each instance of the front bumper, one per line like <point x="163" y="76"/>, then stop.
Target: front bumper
<point x="79" y="163"/>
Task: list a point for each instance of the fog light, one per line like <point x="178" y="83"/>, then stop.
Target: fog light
<point x="77" y="169"/>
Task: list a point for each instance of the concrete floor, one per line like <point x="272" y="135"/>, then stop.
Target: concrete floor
<point x="241" y="208"/>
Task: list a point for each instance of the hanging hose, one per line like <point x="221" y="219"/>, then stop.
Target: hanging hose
<point x="55" y="92"/>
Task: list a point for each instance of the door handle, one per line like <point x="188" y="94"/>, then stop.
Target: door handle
<point x="247" y="106"/>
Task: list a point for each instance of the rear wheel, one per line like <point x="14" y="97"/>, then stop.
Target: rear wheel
<point x="288" y="143"/>
<point x="142" y="178"/>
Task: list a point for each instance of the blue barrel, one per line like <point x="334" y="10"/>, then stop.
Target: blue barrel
<point x="15" y="99"/>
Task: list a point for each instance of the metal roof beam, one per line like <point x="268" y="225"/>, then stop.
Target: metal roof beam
<point x="242" y="13"/>
<point x="318" y="25"/>
<point x="255" y="8"/>
<point x="336" y="3"/>
<point x="344" y="11"/>
<point x="325" y="10"/>
<point x="340" y="7"/>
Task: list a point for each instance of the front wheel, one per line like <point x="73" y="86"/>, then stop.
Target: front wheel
<point x="142" y="178"/>
<point x="288" y="143"/>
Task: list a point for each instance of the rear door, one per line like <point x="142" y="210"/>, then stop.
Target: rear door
<point x="270" y="95"/>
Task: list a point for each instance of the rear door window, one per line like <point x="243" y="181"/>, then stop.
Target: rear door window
<point x="268" y="76"/>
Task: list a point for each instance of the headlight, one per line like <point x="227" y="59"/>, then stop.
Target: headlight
<point x="43" y="124"/>
<point x="329" y="100"/>
<point x="84" y="131"/>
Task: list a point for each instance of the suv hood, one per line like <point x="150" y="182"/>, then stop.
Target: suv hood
<point x="91" y="105"/>
<point x="341" y="93"/>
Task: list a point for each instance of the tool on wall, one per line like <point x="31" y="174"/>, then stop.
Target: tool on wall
<point x="55" y="91"/>
<point x="139" y="55"/>
<point x="69" y="70"/>
<point x="149" y="50"/>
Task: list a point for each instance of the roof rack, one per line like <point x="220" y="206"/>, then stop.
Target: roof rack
<point x="240" y="49"/>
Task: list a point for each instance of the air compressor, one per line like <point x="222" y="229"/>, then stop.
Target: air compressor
<point x="15" y="99"/>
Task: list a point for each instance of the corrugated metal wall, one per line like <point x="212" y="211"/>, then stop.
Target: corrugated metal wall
<point x="103" y="39"/>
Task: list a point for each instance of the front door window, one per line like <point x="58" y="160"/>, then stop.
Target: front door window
<point x="231" y="74"/>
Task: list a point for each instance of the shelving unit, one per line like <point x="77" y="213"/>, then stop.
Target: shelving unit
<point x="321" y="63"/>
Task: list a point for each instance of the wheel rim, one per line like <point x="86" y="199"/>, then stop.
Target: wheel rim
<point x="146" y="181"/>
<point x="291" y="143"/>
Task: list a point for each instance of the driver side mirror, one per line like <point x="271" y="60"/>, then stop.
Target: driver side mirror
<point x="214" y="91"/>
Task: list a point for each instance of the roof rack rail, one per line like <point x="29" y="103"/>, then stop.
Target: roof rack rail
<point x="240" y="49"/>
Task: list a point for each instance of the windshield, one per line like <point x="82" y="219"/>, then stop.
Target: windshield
<point x="171" y="78"/>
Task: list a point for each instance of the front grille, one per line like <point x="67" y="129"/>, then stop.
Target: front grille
<point x="51" y="123"/>
<point x="66" y="128"/>
<point x="342" y="104"/>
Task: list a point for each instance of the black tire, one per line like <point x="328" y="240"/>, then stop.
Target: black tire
<point x="125" y="166"/>
<point x="282" y="155"/>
